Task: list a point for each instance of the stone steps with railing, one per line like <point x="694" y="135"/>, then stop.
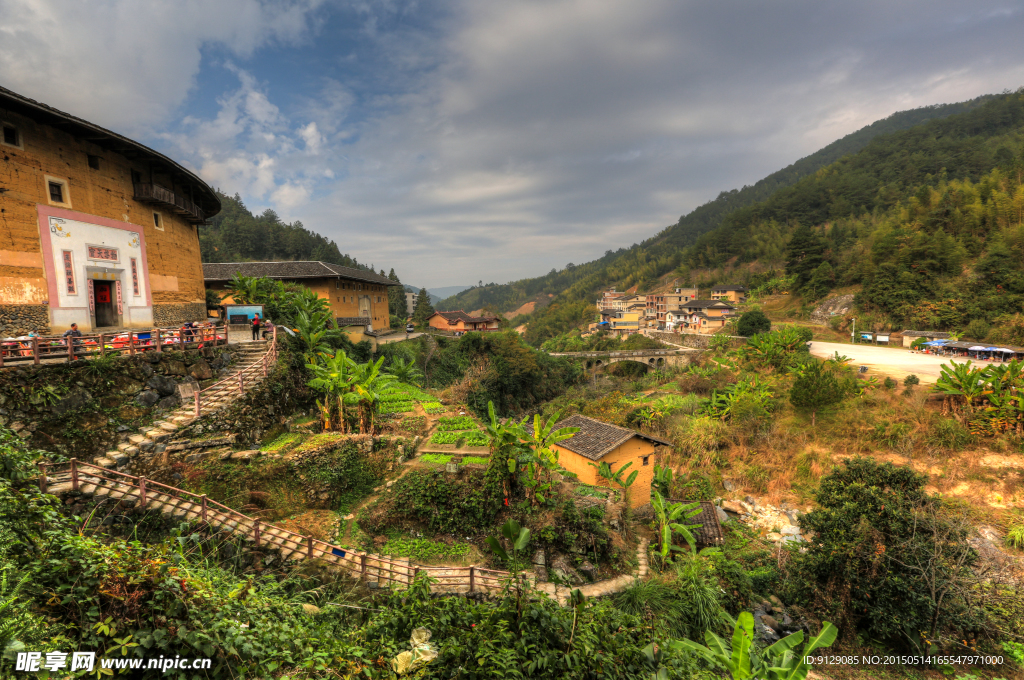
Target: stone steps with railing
<point x="253" y="363"/>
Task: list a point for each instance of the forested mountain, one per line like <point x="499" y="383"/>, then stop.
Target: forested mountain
<point x="642" y="263"/>
<point x="236" y="235"/>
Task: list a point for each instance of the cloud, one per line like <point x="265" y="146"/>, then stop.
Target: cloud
<point x="129" y="64"/>
<point x="554" y="130"/>
<point x="478" y="140"/>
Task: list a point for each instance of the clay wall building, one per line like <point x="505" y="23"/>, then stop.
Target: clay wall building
<point x="599" y="442"/>
<point x="97" y="229"/>
<point x="358" y="298"/>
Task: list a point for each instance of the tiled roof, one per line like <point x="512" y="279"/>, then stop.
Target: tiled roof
<point x="454" y="317"/>
<point x="693" y="304"/>
<point x="739" y="288"/>
<point x="596" y="438"/>
<point x="708" y="531"/>
<point x="925" y="334"/>
<point x="224" y="271"/>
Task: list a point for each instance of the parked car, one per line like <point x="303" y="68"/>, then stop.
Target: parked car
<point x="409" y="328"/>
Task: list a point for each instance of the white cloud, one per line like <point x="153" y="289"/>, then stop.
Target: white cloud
<point x="129" y="64"/>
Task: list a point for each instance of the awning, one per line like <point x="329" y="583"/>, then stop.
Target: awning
<point x="978" y="348"/>
<point x="935" y="343"/>
<point x="1009" y="351"/>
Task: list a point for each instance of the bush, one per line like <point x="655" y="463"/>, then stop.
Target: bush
<point x="949" y="434"/>
<point x="753" y="322"/>
<point x="977" y="329"/>
<point x="889" y="383"/>
<point x="881" y="540"/>
<point x="911" y="380"/>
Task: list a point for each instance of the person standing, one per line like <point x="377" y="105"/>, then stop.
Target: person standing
<point x="256" y="327"/>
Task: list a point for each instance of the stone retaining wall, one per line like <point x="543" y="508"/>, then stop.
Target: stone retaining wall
<point x="80" y="408"/>
<point x="689" y="339"/>
<point x="18" y="320"/>
<point x="165" y="316"/>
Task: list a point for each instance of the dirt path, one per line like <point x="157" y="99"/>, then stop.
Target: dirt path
<point x="895" y="362"/>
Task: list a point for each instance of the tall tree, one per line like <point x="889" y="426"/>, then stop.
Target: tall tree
<point x="396" y="297"/>
<point x="804" y="254"/>
<point x="423" y="309"/>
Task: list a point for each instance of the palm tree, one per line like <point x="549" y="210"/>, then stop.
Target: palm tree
<point x="404" y="372"/>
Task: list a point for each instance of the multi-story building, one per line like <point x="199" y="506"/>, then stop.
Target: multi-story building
<point x="97" y="229"/>
<point x="358" y="298"/>
<point x="703" y="316"/>
<point x="734" y="294"/>
<point x="410" y="302"/>
<point x="607" y="302"/>
<point x="625" y="323"/>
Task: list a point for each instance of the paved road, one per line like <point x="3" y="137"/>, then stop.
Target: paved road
<point x="401" y="337"/>
<point x="891" y="361"/>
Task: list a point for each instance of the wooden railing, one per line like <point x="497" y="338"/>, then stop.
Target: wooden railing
<point x="154" y="193"/>
<point x="38" y="349"/>
<point x="362" y="564"/>
<point x="261" y="367"/>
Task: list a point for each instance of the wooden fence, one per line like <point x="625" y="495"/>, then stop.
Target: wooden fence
<point x="261" y="367"/>
<point x="37" y="349"/>
<point x="362" y="565"/>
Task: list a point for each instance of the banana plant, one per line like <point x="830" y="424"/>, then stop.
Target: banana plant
<point x="740" y="659"/>
<point x="963" y="383"/>
<point x="670" y="520"/>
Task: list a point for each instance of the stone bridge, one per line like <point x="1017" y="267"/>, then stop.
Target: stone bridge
<point x="653" y="358"/>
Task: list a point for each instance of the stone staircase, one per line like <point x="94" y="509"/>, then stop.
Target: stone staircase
<point x="149" y="439"/>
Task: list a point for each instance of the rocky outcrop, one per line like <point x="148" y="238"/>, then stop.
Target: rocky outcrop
<point x="839" y="305"/>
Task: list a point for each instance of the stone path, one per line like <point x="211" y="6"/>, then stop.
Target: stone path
<point x="601" y="588"/>
<point x="150" y="436"/>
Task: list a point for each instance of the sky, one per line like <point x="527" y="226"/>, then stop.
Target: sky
<point x="466" y="141"/>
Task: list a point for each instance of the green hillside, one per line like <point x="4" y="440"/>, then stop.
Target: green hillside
<point x="236" y="235"/>
<point x="576" y="285"/>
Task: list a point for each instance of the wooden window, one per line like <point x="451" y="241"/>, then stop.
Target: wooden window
<point x="11" y="136"/>
<point x="158" y="221"/>
<point x="94" y="162"/>
<point x="136" y="177"/>
<point x="647" y="459"/>
<point x="56" y="192"/>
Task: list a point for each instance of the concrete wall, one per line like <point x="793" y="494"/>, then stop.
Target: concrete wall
<point x="98" y="205"/>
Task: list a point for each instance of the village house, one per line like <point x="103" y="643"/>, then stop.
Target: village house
<point x="704" y="316"/>
<point x="358" y="298"/>
<point x="598" y="442"/>
<point x="734" y="294"/>
<point x="460" y="322"/>
<point x="607" y="302"/>
<point x="655" y="312"/>
<point x="97" y="229"/>
<point x="675" y="299"/>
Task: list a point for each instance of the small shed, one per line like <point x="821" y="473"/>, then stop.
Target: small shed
<point x="708" y="531"/>
<point x="910" y="336"/>
<point x="599" y="442"/>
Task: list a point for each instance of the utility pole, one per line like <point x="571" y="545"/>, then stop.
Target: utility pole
<point x="853" y="335"/>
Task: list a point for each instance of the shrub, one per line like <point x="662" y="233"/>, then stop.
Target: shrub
<point x="702" y="437"/>
<point x="949" y="434"/>
<point x="429" y="497"/>
<point x="816" y="389"/>
<point x="977" y="329"/>
<point x="911" y="380"/>
<point x="1015" y="537"/>
<point x="889" y="383"/>
<point x="753" y="322"/>
<point x="881" y="540"/>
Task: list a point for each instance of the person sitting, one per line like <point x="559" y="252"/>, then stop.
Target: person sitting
<point x="268" y="329"/>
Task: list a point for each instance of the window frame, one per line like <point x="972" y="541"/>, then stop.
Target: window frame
<point x="17" y="133"/>
<point x="65" y="191"/>
<point x="158" y="220"/>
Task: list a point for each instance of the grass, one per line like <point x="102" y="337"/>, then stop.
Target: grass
<point x="425" y="550"/>
<point x="455" y="423"/>
<point x="286" y="441"/>
<point x="592" y="491"/>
